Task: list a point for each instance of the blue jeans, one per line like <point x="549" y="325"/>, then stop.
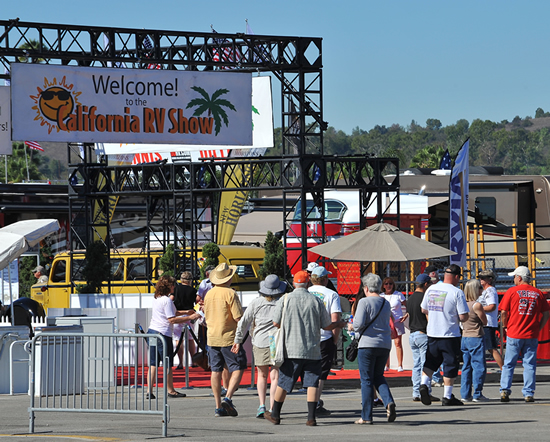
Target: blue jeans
<point x="371" y="369"/>
<point x="419" y="343"/>
<point x="474" y="368"/>
<point x="528" y="348"/>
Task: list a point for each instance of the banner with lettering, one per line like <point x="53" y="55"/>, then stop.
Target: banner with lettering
<point x="79" y="104"/>
<point x="5" y="126"/>
<point x="458" y="204"/>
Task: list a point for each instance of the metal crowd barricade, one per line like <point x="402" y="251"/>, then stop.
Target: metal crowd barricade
<point x="96" y="373"/>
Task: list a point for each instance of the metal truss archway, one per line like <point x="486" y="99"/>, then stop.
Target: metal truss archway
<point x="177" y="192"/>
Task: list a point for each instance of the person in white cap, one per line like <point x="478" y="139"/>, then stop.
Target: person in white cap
<point x="223" y="310"/>
<point x="520" y="310"/>
<point x="329" y="339"/>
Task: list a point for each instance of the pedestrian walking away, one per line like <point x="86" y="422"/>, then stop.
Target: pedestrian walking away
<point x="523" y="312"/>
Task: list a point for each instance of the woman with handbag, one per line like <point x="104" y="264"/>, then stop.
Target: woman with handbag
<point x="259" y="315"/>
<point x="396" y="300"/>
<point x="372" y="324"/>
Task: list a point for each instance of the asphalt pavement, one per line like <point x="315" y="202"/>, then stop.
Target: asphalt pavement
<point x="193" y="418"/>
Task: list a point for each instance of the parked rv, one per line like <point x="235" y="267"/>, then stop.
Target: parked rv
<point x="135" y="271"/>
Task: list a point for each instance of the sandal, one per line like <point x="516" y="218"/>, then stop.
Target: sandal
<point x="177" y="394"/>
<point x="360" y="421"/>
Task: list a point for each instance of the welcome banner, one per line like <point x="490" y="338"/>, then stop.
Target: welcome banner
<point x="261" y="113"/>
<point x="77" y="104"/>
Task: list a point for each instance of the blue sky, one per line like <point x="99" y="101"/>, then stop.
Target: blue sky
<point x="385" y="62"/>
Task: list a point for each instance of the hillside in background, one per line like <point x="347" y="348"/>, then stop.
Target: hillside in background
<point x="521" y="146"/>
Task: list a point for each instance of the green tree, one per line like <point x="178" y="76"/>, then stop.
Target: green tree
<point x="274" y="259"/>
<point x="211" y="253"/>
<point x="213" y="105"/>
<point x="31" y="45"/>
<point x="96" y="269"/>
<point x="166" y="262"/>
<point x="17" y="165"/>
<point x="429" y="157"/>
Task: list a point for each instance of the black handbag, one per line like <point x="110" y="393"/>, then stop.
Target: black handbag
<point x="353" y="347"/>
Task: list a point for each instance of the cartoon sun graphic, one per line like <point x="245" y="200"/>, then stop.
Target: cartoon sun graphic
<point x="54" y="102"/>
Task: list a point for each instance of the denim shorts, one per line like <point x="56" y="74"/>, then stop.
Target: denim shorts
<point x="292" y="369"/>
<point x="222" y="356"/>
<point x="490" y="338"/>
<point x="155" y="349"/>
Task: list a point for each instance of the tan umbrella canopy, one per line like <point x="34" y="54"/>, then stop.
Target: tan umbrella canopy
<point x="380" y="243"/>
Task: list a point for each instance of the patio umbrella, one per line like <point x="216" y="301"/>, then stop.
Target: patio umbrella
<point x="380" y="242"/>
<point x="16" y="238"/>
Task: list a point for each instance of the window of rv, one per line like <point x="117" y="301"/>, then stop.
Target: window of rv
<point x="137" y="268"/>
<point x="334" y="211"/>
<point x="59" y="271"/>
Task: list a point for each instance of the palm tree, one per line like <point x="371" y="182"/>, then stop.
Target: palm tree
<point x="31" y="45"/>
<point x="213" y="105"/>
<point x="428" y="157"/>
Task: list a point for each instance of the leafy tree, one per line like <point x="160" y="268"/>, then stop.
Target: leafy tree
<point x="166" y="262"/>
<point x="429" y="157"/>
<point x="213" y="105"/>
<point x="17" y="165"/>
<point x="26" y="277"/>
<point x="211" y="252"/>
<point x="33" y="45"/>
<point x="433" y="124"/>
<point x="96" y="269"/>
<point x="274" y="262"/>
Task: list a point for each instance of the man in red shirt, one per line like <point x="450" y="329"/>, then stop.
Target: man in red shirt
<point x="523" y="312"/>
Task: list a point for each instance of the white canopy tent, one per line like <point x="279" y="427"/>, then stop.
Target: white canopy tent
<point x="16" y="238"/>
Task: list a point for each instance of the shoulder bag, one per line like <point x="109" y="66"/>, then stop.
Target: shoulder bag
<point x="276" y="342"/>
<point x="353" y="347"/>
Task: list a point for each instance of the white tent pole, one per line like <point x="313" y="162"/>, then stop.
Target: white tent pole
<point x="11" y="294"/>
<point x="6" y="162"/>
<point x="26" y="162"/>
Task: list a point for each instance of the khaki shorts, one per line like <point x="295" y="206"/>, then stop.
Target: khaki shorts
<point x="262" y="356"/>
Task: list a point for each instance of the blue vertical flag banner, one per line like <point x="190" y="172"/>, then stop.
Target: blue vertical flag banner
<point x="445" y="162"/>
<point x="458" y="203"/>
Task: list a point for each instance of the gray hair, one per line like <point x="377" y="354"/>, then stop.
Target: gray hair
<point x="372" y="282"/>
<point x="526" y="279"/>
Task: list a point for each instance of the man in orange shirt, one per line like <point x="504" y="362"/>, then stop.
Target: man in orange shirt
<point x="523" y="312"/>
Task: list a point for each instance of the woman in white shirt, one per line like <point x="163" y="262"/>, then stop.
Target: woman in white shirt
<point x="163" y="317"/>
<point x="396" y="300"/>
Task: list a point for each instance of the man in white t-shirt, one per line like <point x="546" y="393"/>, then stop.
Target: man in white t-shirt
<point x="489" y="301"/>
<point x="446" y="307"/>
<point x="329" y="339"/>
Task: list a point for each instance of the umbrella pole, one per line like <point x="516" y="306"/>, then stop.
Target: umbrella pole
<point x="11" y="293"/>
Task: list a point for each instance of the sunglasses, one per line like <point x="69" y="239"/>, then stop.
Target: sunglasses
<point x="62" y="95"/>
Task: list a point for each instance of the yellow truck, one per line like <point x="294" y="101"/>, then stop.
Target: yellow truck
<point x="130" y="275"/>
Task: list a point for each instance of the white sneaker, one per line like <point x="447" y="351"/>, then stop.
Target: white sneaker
<point x="466" y="399"/>
<point x="481" y="399"/>
<point x="400" y="368"/>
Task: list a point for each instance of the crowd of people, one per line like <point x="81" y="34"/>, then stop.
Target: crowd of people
<point x="448" y="326"/>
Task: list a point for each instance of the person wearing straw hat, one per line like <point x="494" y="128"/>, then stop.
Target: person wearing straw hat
<point x="489" y="301"/>
<point x="222" y="310"/>
<point x="259" y="315"/>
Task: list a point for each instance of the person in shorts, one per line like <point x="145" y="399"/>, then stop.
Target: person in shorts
<point x="222" y="311"/>
<point x="446" y="307"/>
<point x="258" y="315"/>
<point x="329" y="339"/>
<point x="304" y="317"/>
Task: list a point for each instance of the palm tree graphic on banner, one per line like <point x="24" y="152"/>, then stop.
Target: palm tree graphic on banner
<point x="214" y="106"/>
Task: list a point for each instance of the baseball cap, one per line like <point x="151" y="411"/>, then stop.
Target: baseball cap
<point x="430" y="269"/>
<point x="453" y="269"/>
<point x="320" y="271"/>
<point x="38" y="269"/>
<point x="487" y="274"/>
<point x="301" y="277"/>
<point x="520" y="271"/>
<point x="311" y="266"/>
<point x="423" y="278"/>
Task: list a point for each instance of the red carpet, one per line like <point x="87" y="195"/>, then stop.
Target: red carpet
<point x="200" y="378"/>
